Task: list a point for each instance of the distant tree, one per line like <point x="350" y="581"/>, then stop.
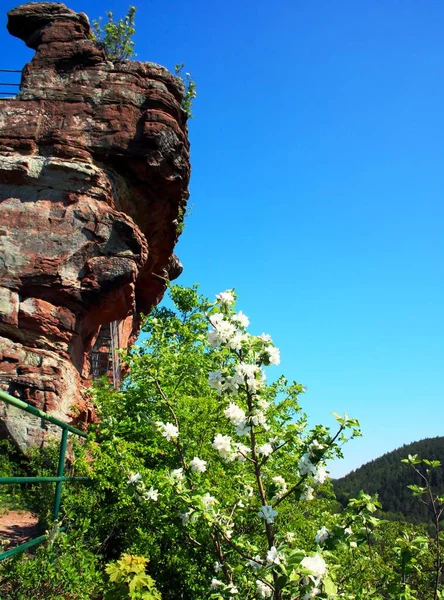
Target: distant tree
<point x="388" y="477"/>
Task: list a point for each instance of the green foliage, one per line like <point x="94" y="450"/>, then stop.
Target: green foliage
<point x="435" y="504"/>
<point x="11" y="464"/>
<point x="190" y="92"/>
<point x="182" y="217"/>
<point x="393" y="564"/>
<point x="33" y="497"/>
<point x="65" y="569"/>
<point x="116" y="37"/>
<point x="131" y="581"/>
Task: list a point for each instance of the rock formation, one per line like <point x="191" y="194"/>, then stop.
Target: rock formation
<point x="94" y="171"/>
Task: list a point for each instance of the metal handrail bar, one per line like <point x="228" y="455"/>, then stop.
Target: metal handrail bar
<point x="29" y="544"/>
<point x="13" y="93"/>
<point x="59" y="479"/>
<point x="39" y="413"/>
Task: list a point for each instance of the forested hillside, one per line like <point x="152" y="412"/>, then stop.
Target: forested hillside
<point x="389" y="477"/>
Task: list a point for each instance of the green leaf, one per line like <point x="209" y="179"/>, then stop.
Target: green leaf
<point x="330" y="587"/>
<point x="281" y="582"/>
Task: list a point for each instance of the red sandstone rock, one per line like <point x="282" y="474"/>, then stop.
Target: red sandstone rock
<point x="94" y="171"/>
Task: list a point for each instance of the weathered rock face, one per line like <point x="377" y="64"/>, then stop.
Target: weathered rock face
<point x="94" y="170"/>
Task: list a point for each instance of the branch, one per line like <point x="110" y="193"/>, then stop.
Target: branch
<point x="221" y="558"/>
<point x="193" y="540"/>
<point x="290" y="491"/>
<point x="176" y="422"/>
<point x="294" y="487"/>
<point x="236" y="548"/>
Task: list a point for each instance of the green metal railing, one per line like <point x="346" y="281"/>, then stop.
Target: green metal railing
<point x="59" y="479"/>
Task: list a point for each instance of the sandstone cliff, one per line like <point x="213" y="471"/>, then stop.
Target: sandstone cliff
<point x="94" y="171"/>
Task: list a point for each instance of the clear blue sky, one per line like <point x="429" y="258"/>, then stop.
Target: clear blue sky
<point x="317" y="191"/>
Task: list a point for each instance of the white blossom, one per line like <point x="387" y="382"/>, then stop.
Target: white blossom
<point x="315" y="446"/>
<point x="222" y="443"/>
<point x="216" y="319"/>
<point x="217" y="567"/>
<point x="255" y="385"/>
<point x="222" y="383"/>
<point x="247" y="370"/>
<point x="255" y="563"/>
<point x="281" y="484"/>
<point x="215" y="380"/>
<point x="316" y="564"/>
<point x="290" y="537"/>
<point x="247" y="373"/>
<point x="177" y="474"/>
<point x="186" y="516"/>
<point x="265" y="338"/>
<point x="321" y="474"/>
<point x="265" y="450"/>
<point x="242" y="430"/>
<point x="263" y="590"/>
<point x="273" y="557"/>
<point x="260" y="420"/>
<point x="208" y="501"/>
<point x="241" y="319"/>
<point x="233" y="589"/>
<point x="226" y="330"/>
<point x="241" y="452"/>
<point x="273" y="355"/>
<point x="215" y="583"/>
<point x="235" y="342"/>
<point x="279" y="481"/>
<point x="235" y="414"/>
<point x="134" y="478"/>
<point x="308" y="494"/>
<point x="151" y="494"/>
<point x="305" y="466"/>
<point x="236" y="379"/>
<point x="268" y="513"/>
<point x="321" y="535"/>
<point x="213" y="338"/>
<point x="223" y="331"/>
<point x="311" y="594"/>
<point x="226" y="297"/>
<point x="263" y="404"/>
<point x="348" y="531"/>
<point x="168" y="430"/>
<point x="198" y="465"/>
<point x="249" y="490"/>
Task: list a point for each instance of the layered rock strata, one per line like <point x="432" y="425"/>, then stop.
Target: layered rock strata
<point x="94" y="171"/>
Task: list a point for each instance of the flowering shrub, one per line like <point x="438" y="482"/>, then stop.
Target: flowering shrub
<point x="228" y="489"/>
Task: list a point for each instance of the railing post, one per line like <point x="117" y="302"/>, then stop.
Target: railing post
<point x="60" y="471"/>
<point x="59" y="479"/>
